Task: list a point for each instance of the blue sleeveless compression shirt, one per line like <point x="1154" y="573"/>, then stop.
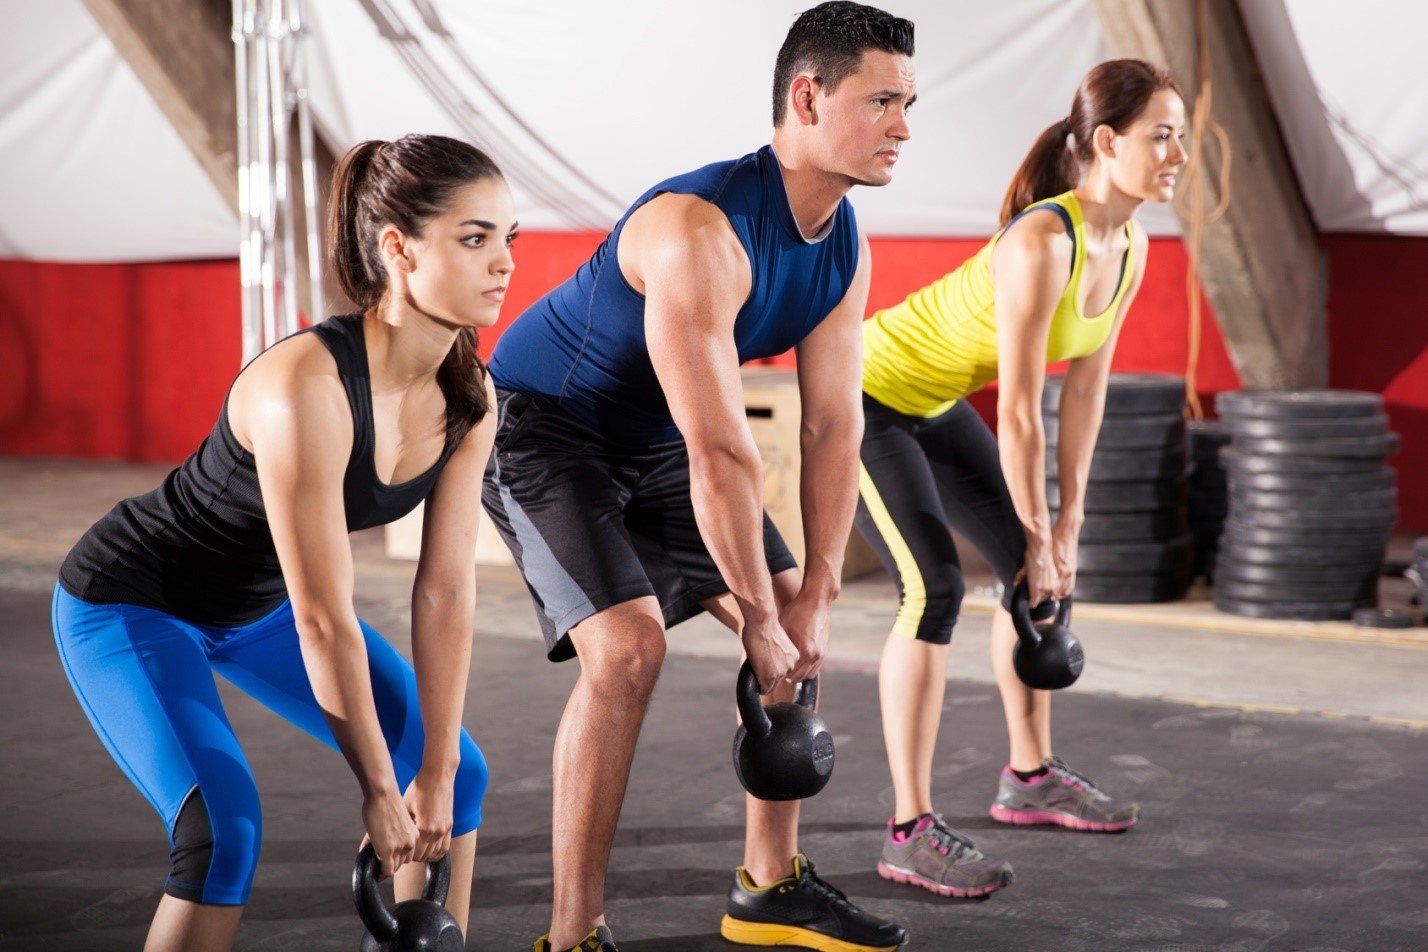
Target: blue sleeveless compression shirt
<point x="582" y="347"/>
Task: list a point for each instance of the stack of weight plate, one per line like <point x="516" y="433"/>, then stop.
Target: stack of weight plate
<point x="1312" y="503"/>
<point x="1417" y="572"/>
<point x="1134" y="544"/>
<point x="1209" y="494"/>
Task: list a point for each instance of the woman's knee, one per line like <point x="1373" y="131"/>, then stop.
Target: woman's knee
<point x="216" y="838"/>
<point x="930" y="611"/>
<point x="472" y="779"/>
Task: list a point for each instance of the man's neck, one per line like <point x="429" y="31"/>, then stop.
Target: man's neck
<point x="813" y="193"/>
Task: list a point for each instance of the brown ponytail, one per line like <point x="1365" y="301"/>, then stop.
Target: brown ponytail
<point x="406" y="184"/>
<point x="1114" y="93"/>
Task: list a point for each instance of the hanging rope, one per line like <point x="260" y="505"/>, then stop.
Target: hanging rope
<point x="1191" y="200"/>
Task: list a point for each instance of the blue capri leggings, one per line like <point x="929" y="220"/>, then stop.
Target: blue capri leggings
<point x="145" y="680"/>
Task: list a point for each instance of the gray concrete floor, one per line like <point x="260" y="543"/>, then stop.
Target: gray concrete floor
<point x="1281" y="773"/>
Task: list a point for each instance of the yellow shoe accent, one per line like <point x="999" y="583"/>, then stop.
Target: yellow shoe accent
<point x="769" y="933"/>
<point x="542" y="944"/>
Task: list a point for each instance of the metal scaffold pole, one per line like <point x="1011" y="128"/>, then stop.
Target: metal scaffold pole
<point x="272" y="97"/>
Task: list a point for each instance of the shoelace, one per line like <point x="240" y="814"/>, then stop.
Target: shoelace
<point x="826" y="890"/>
<point x="1057" y="765"/>
<point x="948" y="839"/>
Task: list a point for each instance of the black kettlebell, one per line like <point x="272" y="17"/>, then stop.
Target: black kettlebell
<point x="783" y="751"/>
<point x="417" y="925"/>
<point x="1047" y="656"/>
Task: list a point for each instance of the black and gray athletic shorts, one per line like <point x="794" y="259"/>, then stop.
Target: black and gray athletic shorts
<point x="592" y="524"/>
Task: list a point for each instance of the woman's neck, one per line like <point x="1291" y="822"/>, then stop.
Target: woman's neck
<point x="405" y="347"/>
<point x="1104" y="208"/>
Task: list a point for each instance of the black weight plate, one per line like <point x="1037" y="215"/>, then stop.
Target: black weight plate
<point x="1236" y="461"/>
<point x="1131" y="589"/>
<point x="1201" y="503"/>
<point x="1280" y="554"/>
<point x="1297" y="404"/>
<point x="1149" y="526"/>
<point x="1151" y="431"/>
<point x="1346" y="485"/>
<point x="1289" y="611"/>
<point x="1344" y="590"/>
<point x="1205" y="437"/>
<point x="1246" y="499"/>
<point x="1315" y="519"/>
<point x="1134" y="496"/>
<point x="1207" y="479"/>
<point x="1203" y="509"/>
<point x="1127" y="394"/>
<point x="1312" y="538"/>
<point x="1308" y="429"/>
<point x="1111" y="466"/>
<point x="1379" y="446"/>
<point x="1384" y="618"/>
<point x="1171" y="555"/>
<point x="1294" y="573"/>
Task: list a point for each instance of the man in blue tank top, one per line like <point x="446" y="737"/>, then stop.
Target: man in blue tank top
<point x="625" y="478"/>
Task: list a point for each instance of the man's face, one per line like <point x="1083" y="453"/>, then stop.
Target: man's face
<point x="862" y="124"/>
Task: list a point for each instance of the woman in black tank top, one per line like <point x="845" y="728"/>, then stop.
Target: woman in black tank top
<point x="240" y="563"/>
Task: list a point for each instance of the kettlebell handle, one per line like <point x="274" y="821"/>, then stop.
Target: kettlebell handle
<point x="372" y="909"/>
<point x="751" y="709"/>
<point x="1020" y="608"/>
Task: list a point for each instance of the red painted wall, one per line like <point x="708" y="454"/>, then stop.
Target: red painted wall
<point x="132" y="361"/>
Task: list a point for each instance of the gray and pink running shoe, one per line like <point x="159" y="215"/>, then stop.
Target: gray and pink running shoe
<point x="1063" y="797"/>
<point x="937" y="857"/>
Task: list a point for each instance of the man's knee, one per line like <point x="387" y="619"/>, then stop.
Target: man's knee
<point x="622" y="648"/>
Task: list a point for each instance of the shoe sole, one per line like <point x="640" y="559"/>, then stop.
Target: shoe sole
<point x="1046" y="817"/>
<point x="909" y="878"/>
<point x="770" y="933"/>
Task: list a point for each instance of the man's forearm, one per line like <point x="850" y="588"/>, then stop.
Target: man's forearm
<point x="726" y="489"/>
<point x="828" y="494"/>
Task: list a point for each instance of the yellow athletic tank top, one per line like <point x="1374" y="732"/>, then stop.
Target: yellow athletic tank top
<point x="923" y="355"/>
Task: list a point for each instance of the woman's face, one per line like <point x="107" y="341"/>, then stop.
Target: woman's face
<point x="1145" y="159"/>
<point x="457" y="271"/>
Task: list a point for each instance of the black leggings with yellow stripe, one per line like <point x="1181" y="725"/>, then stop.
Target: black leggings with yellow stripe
<point x="920" y="476"/>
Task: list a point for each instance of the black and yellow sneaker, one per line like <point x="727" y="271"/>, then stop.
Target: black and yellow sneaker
<point x="600" y="939"/>
<point x="806" y="912"/>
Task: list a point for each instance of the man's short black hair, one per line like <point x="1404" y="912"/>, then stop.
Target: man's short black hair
<point x="829" y="41"/>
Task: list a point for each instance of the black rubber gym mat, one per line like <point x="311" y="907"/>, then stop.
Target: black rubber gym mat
<point x="1259" y="831"/>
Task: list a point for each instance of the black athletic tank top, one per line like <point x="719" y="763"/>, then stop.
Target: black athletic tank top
<point x="199" y="547"/>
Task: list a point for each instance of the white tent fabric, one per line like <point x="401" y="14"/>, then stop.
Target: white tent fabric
<point x="587" y="104"/>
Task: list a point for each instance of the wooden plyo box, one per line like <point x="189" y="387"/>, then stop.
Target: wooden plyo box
<point x="772" y="404"/>
<point x="404" y="539"/>
<point x="771" y="401"/>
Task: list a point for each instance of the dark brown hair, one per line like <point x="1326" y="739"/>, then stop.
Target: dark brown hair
<point x="406" y="184"/>
<point x="829" y="41"/>
<point x="1114" y="94"/>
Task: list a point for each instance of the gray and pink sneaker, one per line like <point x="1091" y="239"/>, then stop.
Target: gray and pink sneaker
<point x="937" y="857"/>
<point x="1063" y="797"/>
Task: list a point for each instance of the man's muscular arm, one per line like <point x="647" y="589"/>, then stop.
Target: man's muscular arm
<point x="695" y="276"/>
<point x="830" y="365"/>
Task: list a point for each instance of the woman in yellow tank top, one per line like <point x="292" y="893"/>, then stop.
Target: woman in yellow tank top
<point x="1054" y="283"/>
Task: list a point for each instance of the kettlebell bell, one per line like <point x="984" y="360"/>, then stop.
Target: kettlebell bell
<point x="1047" y="656"/>
<point x="417" y="925"/>
<point x="783" y="751"/>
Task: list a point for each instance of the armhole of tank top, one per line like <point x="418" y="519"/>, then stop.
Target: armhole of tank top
<point x="354" y="338"/>
<point x="1061" y="213"/>
<point x="614" y="254"/>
